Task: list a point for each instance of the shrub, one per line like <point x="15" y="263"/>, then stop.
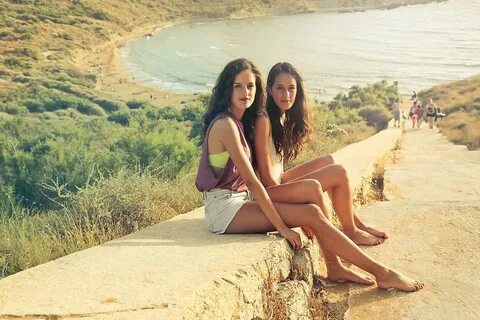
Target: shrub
<point x="380" y="94"/>
<point x="169" y="152"/>
<point x="90" y="109"/>
<point x="5" y="34"/>
<point x="4" y="73"/>
<point x="135" y="104"/>
<point x="14" y="109"/>
<point x="122" y="118"/>
<point x="17" y="63"/>
<point x="26" y="52"/>
<point x="169" y="113"/>
<point x="110" y="105"/>
<point x="66" y="36"/>
<point x="34" y="105"/>
<point x="375" y="116"/>
<point x="193" y="112"/>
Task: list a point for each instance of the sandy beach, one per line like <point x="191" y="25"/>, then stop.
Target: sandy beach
<point x="114" y="82"/>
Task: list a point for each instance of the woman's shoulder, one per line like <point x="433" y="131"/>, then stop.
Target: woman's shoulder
<point x="224" y="123"/>
<point x="226" y="127"/>
<point x="262" y="118"/>
<point x="262" y="122"/>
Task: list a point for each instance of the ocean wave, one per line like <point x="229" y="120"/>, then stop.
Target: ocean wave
<point x="181" y="54"/>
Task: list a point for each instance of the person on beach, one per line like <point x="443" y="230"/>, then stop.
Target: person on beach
<point x="228" y="181"/>
<point x="280" y="134"/>
<point x="431" y="110"/>
<point x="397" y="112"/>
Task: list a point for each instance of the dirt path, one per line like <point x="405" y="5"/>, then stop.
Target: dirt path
<point x="432" y="218"/>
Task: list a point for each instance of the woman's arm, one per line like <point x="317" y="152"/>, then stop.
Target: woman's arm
<point x="226" y="130"/>
<point x="262" y="151"/>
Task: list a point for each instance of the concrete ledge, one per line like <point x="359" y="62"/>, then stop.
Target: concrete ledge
<point x="176" y="269"/>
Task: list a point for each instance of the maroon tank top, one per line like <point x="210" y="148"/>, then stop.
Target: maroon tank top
<point x="230" y="177"/>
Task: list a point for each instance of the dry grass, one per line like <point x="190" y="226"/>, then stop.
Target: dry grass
<point x="109" y="209"/>
<point x="461" y="101"/>
<point x="372" y="189"/>
<point x="273" y="308"/>
<point x="463" y="127"/>
<point x="328" y="305"/>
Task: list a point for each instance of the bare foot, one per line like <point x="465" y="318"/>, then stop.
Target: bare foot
<point x="364" y="238"/>
<point x="309" y="232"/>
<point x="395" y="280"/>
<point x="341" y="274"/>
<point x="375" y="232"/>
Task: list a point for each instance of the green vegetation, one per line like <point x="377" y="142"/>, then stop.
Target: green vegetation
<point x="372" y="102"/>
<point x="70" y="151"/>
<point x="104" y="210"/>
<point x="460" y="100"/>
<point x="73" y="180"/>
<point x="80" y="168"/>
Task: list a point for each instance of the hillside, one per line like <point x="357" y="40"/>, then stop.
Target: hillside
<point x="84" y="161"/>
<point x="44" y="44"/>
<point x="460" y="100"/>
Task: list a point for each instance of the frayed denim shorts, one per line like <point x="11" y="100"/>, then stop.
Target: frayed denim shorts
<point x="221" y="206"/>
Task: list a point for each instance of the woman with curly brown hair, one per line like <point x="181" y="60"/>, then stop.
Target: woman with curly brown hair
<point x="226" y="177"/>
<point x="280" y="135"/>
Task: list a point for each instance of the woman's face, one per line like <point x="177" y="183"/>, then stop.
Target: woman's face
<point x="243" y="91"/>
<point x="284" y="91"/>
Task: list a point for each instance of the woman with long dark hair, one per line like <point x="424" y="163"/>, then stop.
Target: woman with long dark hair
<point x="280" y="135"/>
<point x="226" y="177"/>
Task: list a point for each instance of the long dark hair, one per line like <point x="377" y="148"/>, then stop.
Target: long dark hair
<point x="221" y="97"/>
<point x="290" y="137"/>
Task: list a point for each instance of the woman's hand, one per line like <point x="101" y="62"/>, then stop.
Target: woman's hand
<point x="292" y="237"/>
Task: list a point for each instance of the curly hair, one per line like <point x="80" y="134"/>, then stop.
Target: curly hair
<point x="290" y="137"/>
<point x="221" y="97"/>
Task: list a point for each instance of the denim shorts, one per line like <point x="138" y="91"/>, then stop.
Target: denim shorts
<point x="221" y="206"/>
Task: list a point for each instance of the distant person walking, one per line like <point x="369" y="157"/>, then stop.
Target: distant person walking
<point x="397" y="110"/>
<point x="431" y="109"/>
<point x="412" y="114"/>
<point x="419" y="112"/>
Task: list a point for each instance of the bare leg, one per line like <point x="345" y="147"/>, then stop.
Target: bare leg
<point x="300" y="192"/>
<point x="304" y="170"/>
<point x="334" y="178"/>
<point x="430" y="122"/>
<point x="250" y="219"/>
<point x="368" y="229"/>
<point x="310" y="191"/>
<point x="336" y="271"/>
<point x="307" y="167"/>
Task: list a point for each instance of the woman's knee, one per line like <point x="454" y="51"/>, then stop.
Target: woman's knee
<point x="315" y="215"/>
<point x="342" y="173"/>
<point x="314" y="185"/>
<point x="314" y="189"/>
<point x="324" y="161"/>
<point x="330" y="159"/>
